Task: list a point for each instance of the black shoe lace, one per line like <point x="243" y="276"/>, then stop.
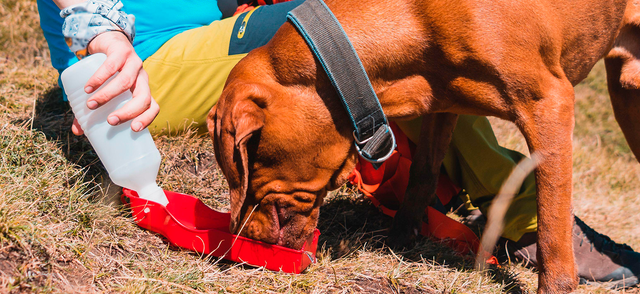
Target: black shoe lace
<point x="599" y="241"/>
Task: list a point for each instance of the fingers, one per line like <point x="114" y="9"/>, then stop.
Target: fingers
<point x="76" y="129"/>
<point x="112" y="64"/>
<point x="125" y="80"/>
<point x="142" y="107"/>
<point x="122" y="58"/>
<point x="146" y="118"/>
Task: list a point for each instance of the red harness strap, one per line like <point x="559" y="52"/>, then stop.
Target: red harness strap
<point x="385" y="187"/>
<point x="248" y="5"/>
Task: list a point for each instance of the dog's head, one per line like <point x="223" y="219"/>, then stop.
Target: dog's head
<point x="281" y="149"/>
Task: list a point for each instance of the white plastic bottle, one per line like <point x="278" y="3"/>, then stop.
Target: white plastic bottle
<point x="131" y="158"/>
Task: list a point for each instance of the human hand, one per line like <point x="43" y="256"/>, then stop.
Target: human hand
<point x="120" y="57"/>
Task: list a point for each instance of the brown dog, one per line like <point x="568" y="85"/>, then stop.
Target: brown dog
<point x="283" y="140"/>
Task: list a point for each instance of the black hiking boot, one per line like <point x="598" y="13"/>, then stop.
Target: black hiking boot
<point x="600" y="260"/>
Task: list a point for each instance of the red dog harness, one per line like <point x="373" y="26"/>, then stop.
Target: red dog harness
<point x="385" y="187"/>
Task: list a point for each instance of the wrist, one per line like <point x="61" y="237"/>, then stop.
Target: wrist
<point x="85" y="21"/>
<point x="101" y="42"/>
<point x="62" y="4"/>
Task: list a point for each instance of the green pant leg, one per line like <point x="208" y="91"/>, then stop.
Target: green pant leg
<point x="477" y="163"/>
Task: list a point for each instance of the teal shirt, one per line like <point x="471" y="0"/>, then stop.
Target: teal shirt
<point x="156" y="22"/>
<point x="159" y="20"/>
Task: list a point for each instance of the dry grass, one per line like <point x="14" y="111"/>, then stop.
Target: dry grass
<point x="62" y="231"/>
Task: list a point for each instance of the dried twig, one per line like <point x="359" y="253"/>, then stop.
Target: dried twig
<point x="499" y="207"/>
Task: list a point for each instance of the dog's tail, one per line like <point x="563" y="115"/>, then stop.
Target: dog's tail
<point x="500" y="205"/>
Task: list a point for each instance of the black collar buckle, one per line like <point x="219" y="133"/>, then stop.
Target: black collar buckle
<point x="331" y="46"/>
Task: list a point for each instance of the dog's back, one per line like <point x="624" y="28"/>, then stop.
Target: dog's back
<point x="486" y="49"/>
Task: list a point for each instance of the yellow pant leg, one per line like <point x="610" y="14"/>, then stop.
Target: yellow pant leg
<point x="476" y="162"/>
<point x="187" y="74"/>
<point x="177" y="71"/>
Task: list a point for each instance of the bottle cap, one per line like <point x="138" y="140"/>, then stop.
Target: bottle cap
<point x="76" y="76"/>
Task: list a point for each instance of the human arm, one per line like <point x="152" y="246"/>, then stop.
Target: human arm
<point x="122" y="58"/>
<point x="66" y="3"/>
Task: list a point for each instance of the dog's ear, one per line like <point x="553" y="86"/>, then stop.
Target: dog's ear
<point x="248" y="119"/>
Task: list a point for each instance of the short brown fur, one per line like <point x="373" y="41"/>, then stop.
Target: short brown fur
<point x="283" y="139"/>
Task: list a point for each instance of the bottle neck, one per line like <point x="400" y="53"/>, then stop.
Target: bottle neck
<point x="153" y="193"/>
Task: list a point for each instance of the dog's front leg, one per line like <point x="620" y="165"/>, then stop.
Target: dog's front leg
<point x="435" y="136"/>
<point x="547" y="125"/>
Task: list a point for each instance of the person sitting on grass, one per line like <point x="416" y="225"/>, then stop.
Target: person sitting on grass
<point x="175" y="57"/>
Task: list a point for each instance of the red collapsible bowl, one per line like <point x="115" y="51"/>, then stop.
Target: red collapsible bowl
<point x="188" y="223"/>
